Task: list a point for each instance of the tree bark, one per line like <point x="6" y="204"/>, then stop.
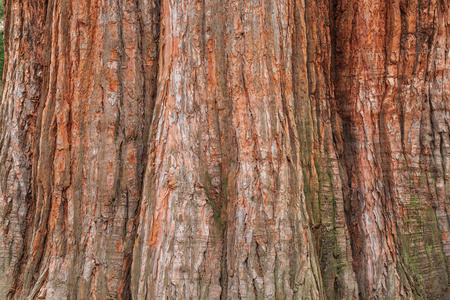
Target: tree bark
<point x="225" y="149"/>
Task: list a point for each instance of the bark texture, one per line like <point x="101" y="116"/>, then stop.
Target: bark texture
<point x="225" y="149"/>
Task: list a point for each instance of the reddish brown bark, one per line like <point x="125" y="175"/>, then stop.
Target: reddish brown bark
<point x="80" y="131"/>
<point x="390" y="76"/>
<point x="224" y="149"/>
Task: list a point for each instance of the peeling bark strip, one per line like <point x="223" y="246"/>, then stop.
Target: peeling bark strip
<point x="225" y="149"/>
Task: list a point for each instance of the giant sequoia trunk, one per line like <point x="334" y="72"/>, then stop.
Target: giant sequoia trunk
<point x="225" y="149"/>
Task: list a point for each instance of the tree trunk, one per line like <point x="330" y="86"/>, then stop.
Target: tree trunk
<point x="225" y="149"/>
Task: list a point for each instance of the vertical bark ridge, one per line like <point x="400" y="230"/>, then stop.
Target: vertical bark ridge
<point x="260" y="265"/>
<point x="24" y="45"/>
<point x="270" y="242"/>
<point x="88" y="161"/>
<point x="416" y="158"/>
<point x="179" y="248"/>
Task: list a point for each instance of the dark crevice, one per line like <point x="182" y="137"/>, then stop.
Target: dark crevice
<point x="148" y="50"/>
<point x="343" y="136"/>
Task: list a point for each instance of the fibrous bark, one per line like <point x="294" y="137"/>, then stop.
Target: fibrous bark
<point x="225" y="149"/>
